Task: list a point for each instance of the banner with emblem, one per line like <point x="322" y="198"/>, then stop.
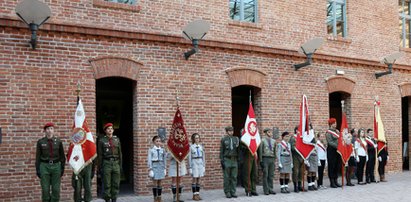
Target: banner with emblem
<point x="82" y="149"/>
<point x="305" y="142"/>
<point x="251" y="136"/>
<point x="178" y="143"/>
<point x="379" y="133"/>
<point x="344" y="147"/>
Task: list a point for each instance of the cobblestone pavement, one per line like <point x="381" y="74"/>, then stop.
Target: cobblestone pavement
<point x="398" y="188"/>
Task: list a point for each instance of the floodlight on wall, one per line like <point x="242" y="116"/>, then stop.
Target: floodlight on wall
<point x="34" y="13"/>
<point x="308" y="49"/>
<point x="389" y="61"/>
<point x="195" y="31"/>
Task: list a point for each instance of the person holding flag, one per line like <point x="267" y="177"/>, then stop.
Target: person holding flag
<point x="50" y="161"/>
<point x="251" y="141"/>
<point x="379" y="135"/>
<point x="334" y="162"/>
<point x="229" y="148"/>
<point x="345" y="149"/>
<point x="81" y="153"/>
<point x="298" y="162"/>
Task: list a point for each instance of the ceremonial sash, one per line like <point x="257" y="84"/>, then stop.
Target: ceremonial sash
<point x="285" y="146"/>
<point x="362" y="144"/>
<point x="321" y="146"/>
<point x="369" y="141"/>
<point x="333" y="133"/>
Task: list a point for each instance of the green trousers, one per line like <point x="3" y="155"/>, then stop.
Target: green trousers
<point x="50" y="177"/>
<point x="250" y="174"/>
<point x="111" y="179"/>
<point x="230" y="175"/>
<point x="298" y="163"/>
<point x="268" y="174"/>
<point x="80" y="182"/>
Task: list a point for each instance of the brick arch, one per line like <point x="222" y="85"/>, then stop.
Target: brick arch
<point x="245" y="76"/>
<point x="113" y="66"/>
<point x="340" y="84"/>
<point x="405" y="89"/>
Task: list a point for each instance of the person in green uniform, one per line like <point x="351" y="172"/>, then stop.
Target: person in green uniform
<point x="250" y="171"/>
<point x="298" y="163"/>
<point x="83" y="181"/>
<point x="50" y="161"/>
<point x="228" y="157"/>
<point x="267" y="154"/>
<point x="110" y="159"/>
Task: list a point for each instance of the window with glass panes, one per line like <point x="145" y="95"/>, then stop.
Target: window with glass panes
<point x="130" y="2"/>
<point x="404" y="8"/>
<point x="337" y="17"/>
<point x="243" y="10"/>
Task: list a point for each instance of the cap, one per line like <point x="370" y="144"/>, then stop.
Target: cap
<point x="229" y="128"/>
<point x="266" y="130"/>
<point x="49" y="124"/>
<point x="331" y="121"/>
<point x="107" y="125"/>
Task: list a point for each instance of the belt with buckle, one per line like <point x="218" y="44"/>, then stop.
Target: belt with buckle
<point x="197" y="157"/>
<point x="111" y="159"/>
<point x="50" y="161"/>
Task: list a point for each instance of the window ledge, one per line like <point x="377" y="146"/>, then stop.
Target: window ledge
<point x="252" y="25"/>
<point x="113" y="5"/>
<point x="339" y="39"/>
<point x="408" y="50"/>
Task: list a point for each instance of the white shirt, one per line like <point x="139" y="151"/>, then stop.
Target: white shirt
<point x="321" y="151"/>
<point x="360" y="150"/>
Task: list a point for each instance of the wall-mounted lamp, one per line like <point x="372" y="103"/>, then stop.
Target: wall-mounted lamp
<point x="389" y="61"/>
<point x="195" y="31"/>
<point x="34" y="13"/>
<point x="308" y="49"/>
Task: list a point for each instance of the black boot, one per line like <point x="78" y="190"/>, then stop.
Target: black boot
<point x="155" y="193"/>
<point x="295" y="188"/>
<point x="332" y="183"/>
<point x="313" y="183"/>
<point x="309" y="183"/>
<point x="159" y="190"/>
<point x="336" y="182"/>
<point x="198" y="192"/>
<point x="113" y="200"/>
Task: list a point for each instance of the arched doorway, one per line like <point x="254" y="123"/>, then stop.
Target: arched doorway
<point x="405" y="89"/>
<point x="114" y="99"/>
<point x="335" y="106"/>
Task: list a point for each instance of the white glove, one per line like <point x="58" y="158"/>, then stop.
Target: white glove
<point x="357" y="158"/>
<point x="326" y="163"/>
<point x="190" y="171"/>
<point x="307" y="163"/>
<point x="319" y="163"/>
<point x="165" y="172"/>
<point x="292" y="165"/>
<point x="151" y="173"/>
<point x="388" y="158"/>
<point x="280" y="165"/>
<point x="366" y="158"/>
<point x="379" y="158"/>
<point x="203" y="169"/>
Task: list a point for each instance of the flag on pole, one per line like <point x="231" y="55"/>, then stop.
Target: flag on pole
<point x="251" y="136"/>
<point x="82" y="149"/>
<point x="344" y="147"/>
<point x="379" y="133"/>
<point x="305" y="143"/>
<point x="178" y="143"/>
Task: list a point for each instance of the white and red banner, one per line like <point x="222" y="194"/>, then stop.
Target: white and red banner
<point x="178" y="143"/>
<point x="304" y="141"/>
<point x="379" y="133"/>
<point x="344" y="141"/>
<point x="82" y="149"/>
<point x="251" y="136"/>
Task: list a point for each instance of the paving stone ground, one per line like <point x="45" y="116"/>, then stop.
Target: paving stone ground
<point x="398" y="188"/>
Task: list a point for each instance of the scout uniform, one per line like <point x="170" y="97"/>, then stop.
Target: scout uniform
<point x="250" y="171"/>
<point x="157" y="162"/>
<point x="196" y="162"/>
<point x="50" y="161"/>
<point x="83" y="179"/>
<point x="370" y="167"/>
<point x="298" y="163"/>
<point x="228" y="157"/>
<point x="267" y="154"/>
<point x="110" y="161"/>
<point x="312" y="169"/>
<point x="285" y="163"/>
<point x="172" y="172"/>
<point x="332" y="156"/>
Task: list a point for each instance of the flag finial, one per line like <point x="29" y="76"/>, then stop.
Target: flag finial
<point x="78" y="88"/>
<point x="250" y="97"/>
<point x="178" y="101"/>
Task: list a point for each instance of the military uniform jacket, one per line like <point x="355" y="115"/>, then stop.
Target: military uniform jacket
<point x="107" y="151"/>
<point x="332" y="138"/>
<point x="229" y="147"/>
<point x="267" y="148"/>
<point x="43" y="152"/>
<point x="292" y="143"/>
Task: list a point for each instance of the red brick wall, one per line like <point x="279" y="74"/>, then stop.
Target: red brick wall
<point x="39" y="86"/>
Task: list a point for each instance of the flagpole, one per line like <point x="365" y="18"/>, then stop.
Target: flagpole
<point x="342" y="158"/>
<point x="177" y="166"/>
<point x="376" y="150"/>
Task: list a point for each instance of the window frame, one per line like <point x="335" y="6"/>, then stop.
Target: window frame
<point x="336" y="3"/>
<point x="405" y="19"/>
<point x="241" y="10"/>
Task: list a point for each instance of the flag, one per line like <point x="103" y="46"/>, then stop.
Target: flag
<point x="379" y="133"/>
<point x="304" y="144"/>
<point x="82" y="149"/>
<point x="251" y="136"/>
<point x="178" y="143"/>
<point x="344" y="147"/>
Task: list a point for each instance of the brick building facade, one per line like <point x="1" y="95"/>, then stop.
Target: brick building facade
<point x="129" y="59"/>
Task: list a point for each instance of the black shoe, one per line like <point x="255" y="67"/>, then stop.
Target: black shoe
<point x="272" y="192"/>
<point x="296" y="188"/>
<point x="300" y="187"/>
<point x="350" y="184"/>
<point x="336" y="183"/>
<point x="286" y="190"/>
<point x="228" y="195"/>
<point x="248" y="194"/>
<point x="254" y="193"/>
<point x="233" y="195"/>
<point x="283" y="190"/>
<point x="266" y="193"/>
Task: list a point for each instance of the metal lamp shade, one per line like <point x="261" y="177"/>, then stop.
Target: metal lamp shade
<point x="33" y="11"/>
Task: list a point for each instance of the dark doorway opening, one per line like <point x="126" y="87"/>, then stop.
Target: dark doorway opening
<point x="336" y="107"/>
<point x="114" y="99"/>
<point x="405" y="106"/>
<point x="240" y="99"/>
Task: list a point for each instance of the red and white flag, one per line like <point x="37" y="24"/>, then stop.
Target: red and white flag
<point x="344" y="141"/>
<point x="178" y="143"/>
<point x="251" y="136"/>
<point x="82" y="149"/>
<point x="379" y="133"/>
<point x="304" y="142"/>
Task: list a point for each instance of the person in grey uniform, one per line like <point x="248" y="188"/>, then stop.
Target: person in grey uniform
<point x="156" y="162"/>
<point x="172" y="172"/>
<point x="285" y="162"/>
<point x="196" y="163"/>
<point x="267" y="155"/>
<point x="312" y="169"/>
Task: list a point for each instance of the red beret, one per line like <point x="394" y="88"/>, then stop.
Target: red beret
<point x="49" y="124"/>
<point x="331" y="121"/>
<point x="107" y="125"/>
